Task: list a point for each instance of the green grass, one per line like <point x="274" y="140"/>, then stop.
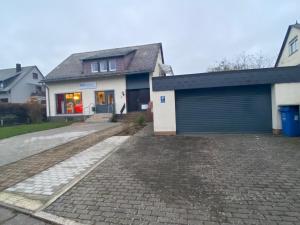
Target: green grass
<point x="11" y="131"/>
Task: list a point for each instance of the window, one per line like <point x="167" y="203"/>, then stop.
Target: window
<point x="94" y="67"/>
<point x="35" y="76"/>
<point x="70" y="103"/>
<point x="112" y="65"/>
<point x="293" y="45"/>
<point x="3" y="99"/>
<point x="100" y="95"/>
<point x="1" y="84"/>
<point x="103" y="66"/>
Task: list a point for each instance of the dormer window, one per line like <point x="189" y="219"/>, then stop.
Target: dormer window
<point x="293" y="45"/>
<point x="112" y="64"/>
<point x="94" y="67"/>
<point x="103" y="66"/>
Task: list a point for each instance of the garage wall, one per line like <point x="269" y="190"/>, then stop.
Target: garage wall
<point x="155" y="73"/>
<point x="88" y="95"/>
<point x="283" y="94"/>
<point x="164" y="115"/>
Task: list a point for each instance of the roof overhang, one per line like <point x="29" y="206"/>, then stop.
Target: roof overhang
<point x="227" y="78"/>
<point x="93" y="76"/>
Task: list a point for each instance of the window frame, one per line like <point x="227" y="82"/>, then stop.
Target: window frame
<point x="101" y="63"/>
<point x="35" y="76"/>
<point x="92" y="67"/>
<point x="75" y="104"/>
<point x="293" y="46"/>
<point x="110" y="63"/>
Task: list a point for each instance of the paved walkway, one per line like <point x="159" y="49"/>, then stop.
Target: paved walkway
<point x="18" y="171"/>
<point x="230" y="179"/>
<point x="12" y="217"/>
<point x="51" y="180"/>
<point x="18" y="147"/>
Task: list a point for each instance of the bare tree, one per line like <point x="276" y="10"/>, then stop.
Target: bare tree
<point x="242" y="62"/>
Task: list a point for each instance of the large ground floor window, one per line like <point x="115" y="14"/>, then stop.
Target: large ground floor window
<point x="69" y="103"/>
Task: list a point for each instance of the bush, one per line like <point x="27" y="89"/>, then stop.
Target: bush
<point x="140" y="120"/>
<point x="12" y="113"/>
<point x="34" y="111"/>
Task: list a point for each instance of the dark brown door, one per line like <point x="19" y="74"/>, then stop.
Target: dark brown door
<point x="137" y="98"/>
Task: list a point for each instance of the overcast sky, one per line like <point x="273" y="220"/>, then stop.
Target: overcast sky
<point x="194" y="33"/>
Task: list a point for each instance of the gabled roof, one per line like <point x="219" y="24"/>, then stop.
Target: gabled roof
<point x="143" y="60"/>
<point x="297" y="26"/>
<point x="11" y="77"/>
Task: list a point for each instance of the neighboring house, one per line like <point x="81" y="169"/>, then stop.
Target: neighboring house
<point x="289" y="55"/>
<point x="106" y="81"/>
<point x="21" y="84"/>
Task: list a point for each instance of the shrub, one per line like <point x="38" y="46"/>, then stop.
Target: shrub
<point x="140" y="120"/>
<point x="12" y="113"/>
<point x="34" y="111"/>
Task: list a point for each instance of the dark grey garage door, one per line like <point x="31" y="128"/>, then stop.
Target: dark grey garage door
<point x="242" y="109"/>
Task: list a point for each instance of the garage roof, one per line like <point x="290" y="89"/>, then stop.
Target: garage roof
<point x="228" y="78"/>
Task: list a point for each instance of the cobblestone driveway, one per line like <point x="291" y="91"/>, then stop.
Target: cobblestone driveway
<point x="230" y="179"/>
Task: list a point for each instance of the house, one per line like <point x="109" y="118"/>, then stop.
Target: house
<point x="106" y="81"/>
<point x="244" y="101"/>
<point x="289" y="55"/>
<point x="21" y="84"/>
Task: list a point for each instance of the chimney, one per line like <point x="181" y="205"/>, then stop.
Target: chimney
<point x="18" y="67"/>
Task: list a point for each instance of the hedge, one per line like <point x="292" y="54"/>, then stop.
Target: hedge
<point x="13" y="113"/>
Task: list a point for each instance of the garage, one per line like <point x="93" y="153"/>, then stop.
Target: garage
<point x="241" y="101"/>
<point x="242" y="109"/>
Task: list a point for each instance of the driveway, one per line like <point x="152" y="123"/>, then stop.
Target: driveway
<point x="214" y="179"/>
<point x="18" y="147"/>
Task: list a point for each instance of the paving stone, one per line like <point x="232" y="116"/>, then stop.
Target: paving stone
<point x="50" y="180"/>
<point x="6" y="214"/>
<point x="21" y="219"/>
<point x="206" y="180"/>
<point x="13" y="173"/>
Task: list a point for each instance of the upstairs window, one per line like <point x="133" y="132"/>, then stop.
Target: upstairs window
<point x="94" y="67"/>
<point x="1" y="84"/>
<point x="293" y="45"/>
<point x="112" y="65"/>
<point x="35" y="76"/>
<point x="103" y="66"/>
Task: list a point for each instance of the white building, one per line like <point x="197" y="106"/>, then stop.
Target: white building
<point x="288" y="93"/>
<point x="21" y="84"/>
<point x="106" y="81"/>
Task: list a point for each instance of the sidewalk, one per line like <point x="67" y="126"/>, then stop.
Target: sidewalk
<point x="15" y="172"/>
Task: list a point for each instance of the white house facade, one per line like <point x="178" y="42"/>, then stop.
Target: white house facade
<point x="21" y="84"/>
<point x="106" y="81"/>
<point x="287" y="93"/>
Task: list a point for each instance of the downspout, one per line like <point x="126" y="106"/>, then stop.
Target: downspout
<point x="48" y="101"/>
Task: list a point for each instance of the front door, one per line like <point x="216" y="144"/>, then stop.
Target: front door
<point x="105" y="101"/>
<point x="136" y="98"/>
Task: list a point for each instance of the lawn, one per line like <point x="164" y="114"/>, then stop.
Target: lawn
<point x="11" y="131"/>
